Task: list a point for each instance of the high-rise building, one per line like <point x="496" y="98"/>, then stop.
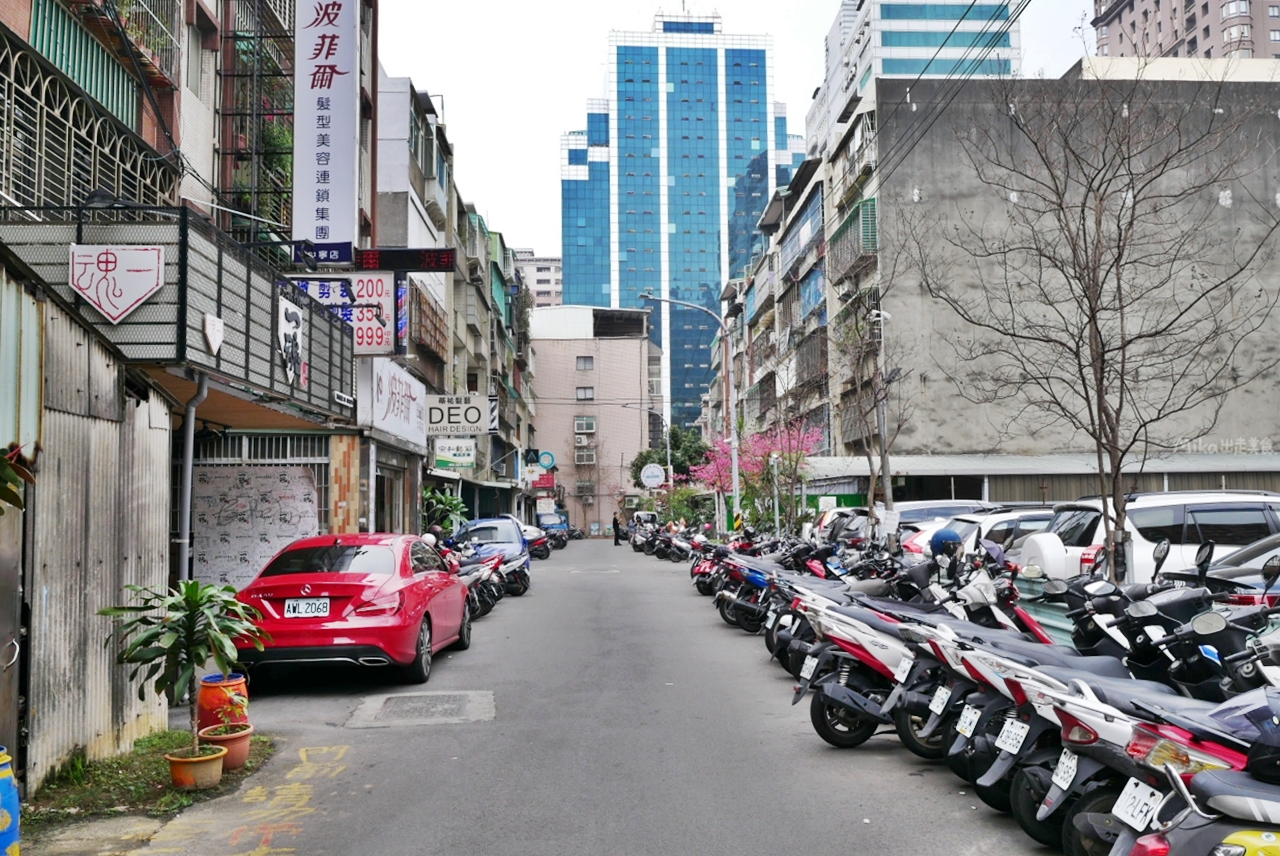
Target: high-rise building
<point x="662" y="191"/>
<point x="543" y="276"/>
<point x="956" y="38"/>
<point x="1233" y="29"/>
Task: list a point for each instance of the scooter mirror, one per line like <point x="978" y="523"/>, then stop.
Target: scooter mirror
<point x="1055" y="587"/>
<point x="1141" y="609"/>
<point x="1097" y="588"/>
<point x="1204" y="556"/>
<point x="1208" y="623"/>
<point x="1271" y="572"/>
<point x="1160" y="553"/>
<point x="1033" y="572"/>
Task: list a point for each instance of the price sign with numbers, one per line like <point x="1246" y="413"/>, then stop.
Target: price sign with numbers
<point x="366" y="301"/>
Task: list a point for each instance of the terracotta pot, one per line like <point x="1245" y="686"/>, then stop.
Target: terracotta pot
<point x="236" y="743"/>
<point x="213" y="703"/>
<point x="196" y="774"/>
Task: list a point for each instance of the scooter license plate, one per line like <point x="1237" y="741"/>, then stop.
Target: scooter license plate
<point x="771" y="620"/>
<point x="1065" y="773"/>
<point x="968" y="720"/>
<point x="940" y="699"/>
<point x="807" y="670"/>
<point x="1012" y="736"/>
<point x="904" y="669"/>
<point x="1136" y="805"/>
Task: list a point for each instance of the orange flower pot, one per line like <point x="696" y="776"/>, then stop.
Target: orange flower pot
<point x="199" y="773"/>
<point x="236" y="743"/>
<point x="215" y="702"/>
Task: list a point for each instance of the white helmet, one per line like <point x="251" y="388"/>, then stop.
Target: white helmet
<point x="430" y="539"/>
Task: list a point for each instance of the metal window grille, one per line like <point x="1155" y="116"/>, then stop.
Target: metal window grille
<point x="309" y="450"/>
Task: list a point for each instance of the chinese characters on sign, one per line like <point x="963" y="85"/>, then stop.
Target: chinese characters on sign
<point x="326" y="161"/>
<point x="116" y="280"/>
<point x="466" y="415"/>
<point x="293" y="342"/>
<point x="367" y="302"/>
<point x="454" y="454"/>
<point x="392" y="400"/>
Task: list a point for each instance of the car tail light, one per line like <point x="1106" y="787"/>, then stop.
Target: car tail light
<point x="1089" y="558"/>
<point x="1240" y="599"/>
<point x="1155" y="750"/>
<point x="911" y="546"/>
<point x="387" y="604"/>
<point x="1075" y="731"/>
<point x="1151" y="845"/>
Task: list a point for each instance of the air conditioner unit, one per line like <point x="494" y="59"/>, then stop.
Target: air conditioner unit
<point x="500" y="469"/>
<point x="588" y="500"/>
<point x="581" y="439"/>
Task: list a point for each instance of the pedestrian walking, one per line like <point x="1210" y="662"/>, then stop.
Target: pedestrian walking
<point x="617" y="529"/>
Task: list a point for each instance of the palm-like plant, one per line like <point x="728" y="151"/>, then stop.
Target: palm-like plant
<point x="173" y="633"/>
<point x="442" y="509"/>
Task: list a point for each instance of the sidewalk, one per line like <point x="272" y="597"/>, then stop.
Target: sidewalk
<point x="273" y="806"/>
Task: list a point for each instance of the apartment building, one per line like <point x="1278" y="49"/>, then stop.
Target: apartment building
<point x="1218" y="29"/>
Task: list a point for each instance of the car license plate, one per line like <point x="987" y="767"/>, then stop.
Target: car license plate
<point x="1065" y="774"/>
<point x="1012" y="735"/>
<point x="1136" y="805"/>
<point x="904" y="668"/>
<point x="771" y="620"/>
<point x="968" y="720"/>
<point x="306" y="607"/>
<point x="806" y="671"/>
<point x="940" y="699"/>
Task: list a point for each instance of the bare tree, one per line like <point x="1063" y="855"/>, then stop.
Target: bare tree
<point x="1114" y="291"/>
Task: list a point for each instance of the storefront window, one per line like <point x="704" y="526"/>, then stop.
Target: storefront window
<point x="389" y="516"/>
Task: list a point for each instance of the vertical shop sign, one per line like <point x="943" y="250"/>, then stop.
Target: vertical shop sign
<point x="326" y="130"/>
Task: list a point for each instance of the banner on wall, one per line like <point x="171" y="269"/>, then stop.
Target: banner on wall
<point x="242" y="516"/>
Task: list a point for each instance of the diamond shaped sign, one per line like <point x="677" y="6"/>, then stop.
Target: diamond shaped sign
<point x="116" y="280"/>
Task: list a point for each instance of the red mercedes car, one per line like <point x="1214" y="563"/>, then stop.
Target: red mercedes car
<point x="367" y="599"/>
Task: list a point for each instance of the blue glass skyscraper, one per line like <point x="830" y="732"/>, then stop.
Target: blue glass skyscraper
<point x="663" y="191"/>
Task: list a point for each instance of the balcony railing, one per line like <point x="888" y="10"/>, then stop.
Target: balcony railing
<point x="152" y="28"/>
<point x="207" y="278"/>
<point x="428" y="323"/>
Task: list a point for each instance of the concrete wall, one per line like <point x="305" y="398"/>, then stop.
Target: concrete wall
<point x="620" y="376"/>
<point x="936" y="180"/>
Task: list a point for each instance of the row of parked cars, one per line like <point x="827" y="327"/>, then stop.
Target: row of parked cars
<point x="1067" y="539"/>
<point x="382" y="600"/>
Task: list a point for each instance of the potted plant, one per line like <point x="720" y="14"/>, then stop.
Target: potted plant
<point x="173" y="634"/>
<point x="233" y="732"/>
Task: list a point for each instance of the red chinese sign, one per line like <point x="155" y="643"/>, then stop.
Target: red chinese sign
<point x="116" y="280"/>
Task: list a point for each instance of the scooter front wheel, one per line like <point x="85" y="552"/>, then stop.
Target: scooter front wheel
<point x="908" y="726"/>
<point x="704" y="586"/>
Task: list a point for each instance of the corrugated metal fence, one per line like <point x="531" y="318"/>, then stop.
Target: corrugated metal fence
<point x="100" y="521"/>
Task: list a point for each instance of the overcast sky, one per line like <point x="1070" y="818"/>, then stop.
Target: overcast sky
<point x="511" y="76"/>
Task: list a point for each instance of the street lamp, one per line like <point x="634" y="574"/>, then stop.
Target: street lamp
<point x="733" y="407"/>
<point x="773" y="463"/>
<point x="671" y="474"/>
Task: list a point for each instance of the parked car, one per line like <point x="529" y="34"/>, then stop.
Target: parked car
<point x="503" y="532"/>
<point x="366" y="599"/>
<point x="553" y="522"/>
<point x="1002" y="525"/>
<point x="918" y="511"/>
<point x="1074" y="538"/>
<point x="1239" y="572"/>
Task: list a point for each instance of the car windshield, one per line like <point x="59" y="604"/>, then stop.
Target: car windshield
<point x="963" y="528"/>
<point x="491" y="532"/>
<point x="333" y="559"/>
<point x="1255" y="555"/>
<point x="549" y="520"/>
<point x="916" y="515"/>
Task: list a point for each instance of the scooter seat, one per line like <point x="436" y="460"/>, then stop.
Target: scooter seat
<point x="1238" y="794"/>
<point x="872" y="588"/>
<point x="757" y="563"/>
<point x="1040" y="654"/>
<point x="868" y="618"/>
<point x="1121" y="693"/>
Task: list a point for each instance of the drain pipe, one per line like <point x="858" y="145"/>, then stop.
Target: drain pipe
<point x="188" y="462"/>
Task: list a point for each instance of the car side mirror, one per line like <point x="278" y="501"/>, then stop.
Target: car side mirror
<point x="1160" y="553"/>
<point x="1271" y="572"/>
<point x="1204" y="556"/>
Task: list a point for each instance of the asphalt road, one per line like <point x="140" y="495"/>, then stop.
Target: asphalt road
<point x="626" y="718"/>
